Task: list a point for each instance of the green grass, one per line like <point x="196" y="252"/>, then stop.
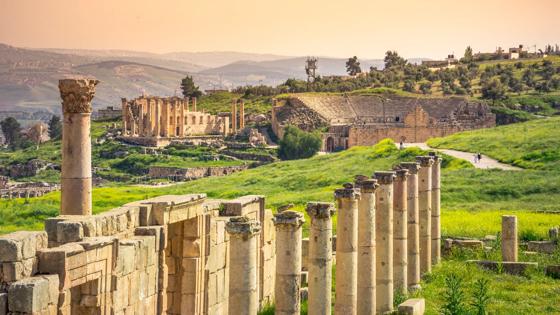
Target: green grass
<point x="533" y="145"/>
<point x="221" y="102"/>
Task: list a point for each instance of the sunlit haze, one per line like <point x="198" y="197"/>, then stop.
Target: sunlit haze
<point x="365" y="28"/>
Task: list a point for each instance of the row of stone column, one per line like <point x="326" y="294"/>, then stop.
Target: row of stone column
<point x="387" y="236"/>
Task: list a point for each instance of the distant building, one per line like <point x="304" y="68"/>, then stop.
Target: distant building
<point x="449" y="63"/>
<point x="107" y="113"/>
<point x="516" y="52"/>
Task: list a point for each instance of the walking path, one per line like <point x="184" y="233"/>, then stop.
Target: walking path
<point x="485" y="163"/>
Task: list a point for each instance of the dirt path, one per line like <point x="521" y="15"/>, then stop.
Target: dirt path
<point x="485" y="163"/>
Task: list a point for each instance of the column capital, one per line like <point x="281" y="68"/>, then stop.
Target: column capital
<point x="412" y="167"/>
<point x="402" y="173"/>
<point x="437" y="158"/>
<point x="289" y="218"/>
<point x="425" y="161"/>
<point x="385" y="178"/>
<point x="77" y="94"/>
<point x="320" y="210"/>
<point x="243" y="227"/>
<point x="347" y="192"/>
<point x="366" y="184"/>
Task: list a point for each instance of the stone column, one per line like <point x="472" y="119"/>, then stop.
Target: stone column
<point x="182" y="123"/>
<point x="319" y="258"/>
<point x="166" y="118"/>
<point x="158" y="118"/>
<point x="366" y="244"/>
<point x="241" y="114"/>
<point x="436" y="209"/>
<point x="400" y="231"/>
<point x="76" y="97"/>
<point x="413" y="228"/>
<point x="234" y="116"/>
<point x="384" y="241"/>
<point x="509" y="238"/>
<point x="346" y="250"/>
<point x="141" y="118"/>
<point x="194" y="103"/>
<point x="243" y="286"/>
<point x="424" y="211"/>
<point x="288" y="262"/>
<point x="124" y="109"/>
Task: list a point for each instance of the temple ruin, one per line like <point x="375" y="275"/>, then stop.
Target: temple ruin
<point x="157" y="121"/>
<point x="188" y="254"/>
<point x="367" y="119"/>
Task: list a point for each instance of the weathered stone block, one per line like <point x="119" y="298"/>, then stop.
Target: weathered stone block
<point x="412" y="307"/>
<point x="54" y="284"/>
<point x="514" y="268"/>
<point x="553" y="271"/>
<point x="3" y="303"/>
<point x="21" y="245"/>
<point x="547" y="247"/>
<point x="30" y="295"/>
<point x="69" y="231"/>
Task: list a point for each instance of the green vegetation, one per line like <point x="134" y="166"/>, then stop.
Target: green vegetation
<point x="531" y="145"/>
<point x="189" y="89"/>
<point x="221" y="102"/>
<point x="298" y="144"/>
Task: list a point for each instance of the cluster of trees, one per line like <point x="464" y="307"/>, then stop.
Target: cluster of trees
<point x="298" y="144"/>
<point x="15" y="137"/>
<point x="189" y="88"/>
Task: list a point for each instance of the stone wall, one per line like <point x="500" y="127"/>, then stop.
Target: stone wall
<point x="191" y="173"/>
<point x="165" y="255"/>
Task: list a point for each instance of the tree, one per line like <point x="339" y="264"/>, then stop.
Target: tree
<point x="392" y="59"/>
<point x="468" y="57"/>
<point x="12" y="132"/>
<point x="515" y="85"/>
<point x="529" y="77"/>
<point x="189" y="88"/>
<point x="494" y="90"/>
<point x="409" y="86"/>
<point x="298" y="144"/>
<point x="426" y="88"/>
<point x="55" y="127"/>
<point x="353" y="66"/>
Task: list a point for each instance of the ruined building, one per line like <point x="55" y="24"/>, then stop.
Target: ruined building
<point x="156" y="121"/>
<point x="367" y="119"/>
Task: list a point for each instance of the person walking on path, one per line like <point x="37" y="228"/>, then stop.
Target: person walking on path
<point x="479" y="157"/>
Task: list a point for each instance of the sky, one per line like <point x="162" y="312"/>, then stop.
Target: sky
<point x="337" y="28"/>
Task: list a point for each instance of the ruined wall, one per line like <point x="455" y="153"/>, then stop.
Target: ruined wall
<point x="193" y="172"/>
<point x="162" y="255"/>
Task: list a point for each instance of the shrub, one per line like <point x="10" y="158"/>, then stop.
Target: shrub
<point x="298" y="144"/>
<point x="480" y="297"/>
<point x="454" y="296"/>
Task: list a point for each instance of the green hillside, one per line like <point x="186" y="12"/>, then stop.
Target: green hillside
<point x="532" y="145"/>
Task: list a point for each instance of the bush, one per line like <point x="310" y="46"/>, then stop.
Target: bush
<point x="298" y="144"/>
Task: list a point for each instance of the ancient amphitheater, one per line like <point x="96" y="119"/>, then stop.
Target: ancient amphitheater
<point x="187" y="254"/>
<point x="367" y="119"/>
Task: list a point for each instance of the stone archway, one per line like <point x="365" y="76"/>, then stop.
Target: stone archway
<point x="330" y="144"/>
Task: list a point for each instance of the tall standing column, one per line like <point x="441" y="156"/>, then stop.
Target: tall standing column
<point x="509" y="238"/>
<point x="158" y="117"/>
<point x="243" y="286"/>
<point x="436" y="209"/>
<point x="288" y="262"/>
<point x="141" y="118"/>
<point x="76" y="97"/>
<point x="366" y="244"/>
<point x="384" y="241"/>
<point x="234" y="116"/>
<point x="400" y="231"/>
<point x="319" y="260"/>
<point x="346" y="250"/>
<point x="124" y="109"/>
<point x="194" y="104"/>
<point x="241" y="114"/>
<point x="166" y="118"/>
<point x="413" y="227"/>
<point x="182" y="118"/>
<point x="425" y="212"/>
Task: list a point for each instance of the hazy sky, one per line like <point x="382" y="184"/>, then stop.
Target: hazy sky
<point x="366" y="28"/>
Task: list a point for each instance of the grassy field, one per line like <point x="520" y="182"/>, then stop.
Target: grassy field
<point x="531" y="145"/>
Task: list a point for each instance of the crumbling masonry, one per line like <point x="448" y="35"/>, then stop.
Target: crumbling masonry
<point x="187" y="254"/>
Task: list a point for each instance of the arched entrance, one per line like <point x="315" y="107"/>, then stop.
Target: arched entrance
<point x="330" y="144"/>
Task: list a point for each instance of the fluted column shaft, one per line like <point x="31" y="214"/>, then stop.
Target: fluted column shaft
<point x="288" y="262"/>
<point x="384" y="241"/>
<point x="319" y="262"/>
<point x="425" y="212"/>
<point x="346" y="250"/>
<point x="436" y="210"/>
<point x="400" y="232"/>
<point x="243" y="271"/>
<point x="366" y="245"/>
<point x="413" y="229"/>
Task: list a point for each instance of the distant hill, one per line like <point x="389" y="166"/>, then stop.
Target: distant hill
<point x="29" y="77"/>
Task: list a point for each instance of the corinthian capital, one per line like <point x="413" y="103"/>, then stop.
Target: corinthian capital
<point x="77" y="94"/>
